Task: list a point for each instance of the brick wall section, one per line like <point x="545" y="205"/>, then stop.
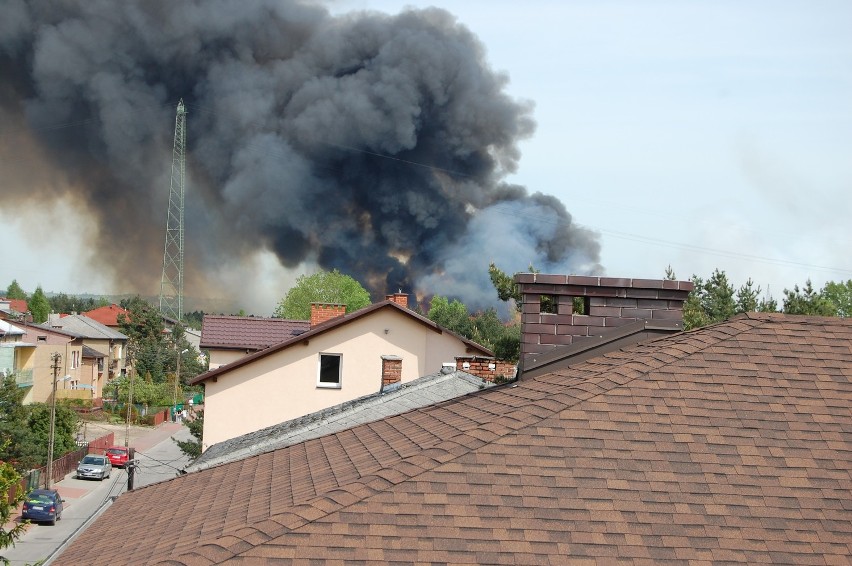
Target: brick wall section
<point x="611" y="301"/>
<point x="482" y="367"/>
<point x="321" y="312"/>
<point x="399" y="298"/>
<point x="391" y="370"/>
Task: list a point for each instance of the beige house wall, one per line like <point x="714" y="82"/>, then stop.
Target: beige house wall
<point x="284" y="385"/>
<point x="219" y="358"/>
<point x="43" y="371"/>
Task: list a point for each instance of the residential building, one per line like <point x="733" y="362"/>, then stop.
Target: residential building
<point x="107" y="315"/>
<point x="726" y="444"/>
<point x="33" y="362"/>
<point x="229" y="338"/>
<point x="15" y="309"/>
<point x="110" y="343"/>
<point x="340" y="358"/>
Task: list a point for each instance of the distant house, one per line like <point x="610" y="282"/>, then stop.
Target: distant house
<point x="729" y="444"/>
<point x="15" y="309"/>
<point x="108" y="315"/>
<point x="229" y="338"/>
<point x="340" y="358"/>
<point x="31" y="359"/>
<point x="109" y="342"/>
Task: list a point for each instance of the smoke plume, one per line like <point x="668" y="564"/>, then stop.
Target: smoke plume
<point x="378" y="145"/>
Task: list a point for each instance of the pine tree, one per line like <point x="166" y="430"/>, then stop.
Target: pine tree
<point x="39" y="306"/>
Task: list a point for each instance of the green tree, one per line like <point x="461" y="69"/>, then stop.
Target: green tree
<point x="718" y="301"/>
<point x="807" y="301"/>
<point x="747" y="297"/>
<point x="840" y="295"/>
<point x="25" y="429"/>
<point x="9" y="479"/>
<point x="14" y="291"/>
<point x="504" y="284"/>
<point x="322" y="287"/>
<point x="694" y="315"/>
<point x="39" y="306"/>
<point x="148" y="348"/>
<point x="63" y="303"/>
<point x="452" y="315"/>
<point x="192" y="448"/>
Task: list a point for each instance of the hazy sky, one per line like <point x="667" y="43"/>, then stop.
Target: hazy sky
<point x="696" y="134"/>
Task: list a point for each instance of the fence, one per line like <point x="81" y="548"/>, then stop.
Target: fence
<point x="62" y="466"/>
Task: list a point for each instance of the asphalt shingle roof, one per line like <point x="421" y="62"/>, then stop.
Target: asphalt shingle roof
<point x="730" y="444"/>
<point x="245" y="332"/>
<point x="395" y="399"/>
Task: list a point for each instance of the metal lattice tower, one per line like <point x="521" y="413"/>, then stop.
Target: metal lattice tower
<point x="171" y="284"/>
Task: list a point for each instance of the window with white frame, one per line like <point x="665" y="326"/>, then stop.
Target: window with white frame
<point x="329" y="371"/>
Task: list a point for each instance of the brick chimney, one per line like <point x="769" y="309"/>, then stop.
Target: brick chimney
<point x="321" y="312"/>
<point x="399" y="298"/>
<point x="391" y="370"/>
<point x="548" y="319"/>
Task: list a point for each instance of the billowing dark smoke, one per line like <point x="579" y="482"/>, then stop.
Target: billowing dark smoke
<point x="370" y="143"/>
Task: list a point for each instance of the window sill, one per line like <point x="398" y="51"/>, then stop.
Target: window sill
<point x="329" y="386"/>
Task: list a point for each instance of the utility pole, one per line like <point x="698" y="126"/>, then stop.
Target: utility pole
<point x="129" y="407"/>
<point x="56" y="357"/>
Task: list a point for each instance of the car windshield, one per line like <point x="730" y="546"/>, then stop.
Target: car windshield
<point x="115" y="451"/>
<point x="99" y="460"/>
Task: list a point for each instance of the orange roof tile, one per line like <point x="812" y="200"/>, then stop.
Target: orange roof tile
<point x="108" y="315"/>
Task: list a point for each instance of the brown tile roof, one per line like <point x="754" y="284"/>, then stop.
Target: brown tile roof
<point x="329" y="326"/>
<point x="732" y="443"/>
<point x="248" y="333"/>
<point x="18" y="305"/>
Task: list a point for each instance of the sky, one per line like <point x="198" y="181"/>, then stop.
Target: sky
<point x="699" y="135"/>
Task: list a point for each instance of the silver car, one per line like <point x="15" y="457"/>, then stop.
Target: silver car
<point x="94" y="467"/>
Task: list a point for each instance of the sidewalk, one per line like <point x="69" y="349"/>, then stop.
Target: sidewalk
<point x="141" y="443"/>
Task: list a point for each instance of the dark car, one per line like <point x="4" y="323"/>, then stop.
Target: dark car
<point x="43" y="506"/>
<point x="118" y="455"/>
<point x="94" y="467"/>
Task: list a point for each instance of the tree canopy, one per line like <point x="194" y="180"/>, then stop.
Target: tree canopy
<point x="153" y="351"/>
<point x="322" y="287"/>
<point x="39" y="306"/>
<point x="24" y="429"/>
<point x="14" y="291"/>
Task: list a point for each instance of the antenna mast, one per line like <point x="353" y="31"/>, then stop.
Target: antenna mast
<point x="171" y="284"/>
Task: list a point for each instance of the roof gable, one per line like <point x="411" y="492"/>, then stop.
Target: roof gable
<point x="729" y="443"/>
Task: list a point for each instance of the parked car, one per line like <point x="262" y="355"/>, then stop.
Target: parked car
<point x="93" y="466"/>
<point x="43" y="505"/>
<point x="118" y="455"/>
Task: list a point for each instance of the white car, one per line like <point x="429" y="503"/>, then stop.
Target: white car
<point x="94" y="467"/>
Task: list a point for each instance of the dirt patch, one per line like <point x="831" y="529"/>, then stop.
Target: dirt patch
<point x="96" y="429"/>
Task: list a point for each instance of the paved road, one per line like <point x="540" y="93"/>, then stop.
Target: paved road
<point x="159" y="459"/>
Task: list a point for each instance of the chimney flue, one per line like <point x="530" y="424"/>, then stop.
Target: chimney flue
<point x="321" y="312"/>
<point x="399" y="298"/>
